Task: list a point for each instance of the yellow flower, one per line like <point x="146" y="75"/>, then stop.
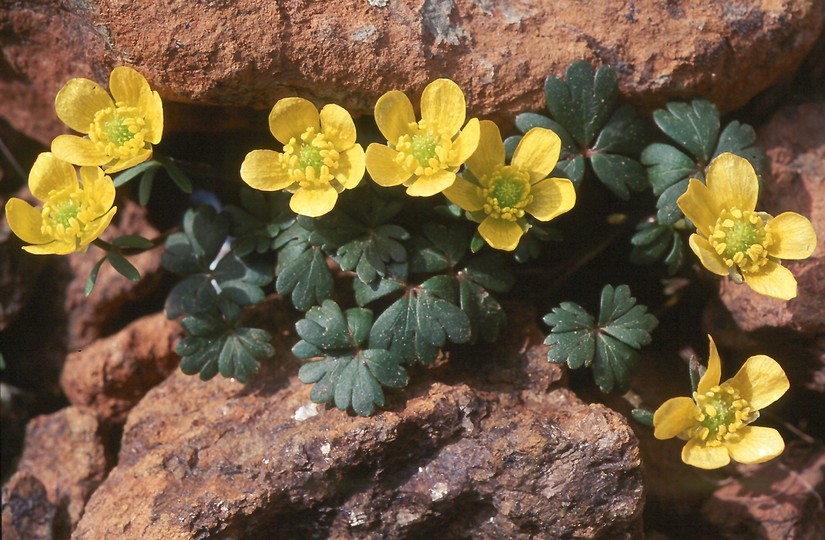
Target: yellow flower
<point x="716" y="421"/>
<point x="732" y="239"/>
<point x="121" y="131"/>
<point x="74" y="212"/>
<point x="320" y="157"/>
<point x="504" y="193"/>
<point x="425" y="155"/>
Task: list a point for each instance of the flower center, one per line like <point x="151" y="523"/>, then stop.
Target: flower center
<point x="506" y="192"/>
<point x="741" y="239"/>
<point x="311" y="161"/>
<point x="722" y="414"/>
<point x="67" y="213"/>
<point x="119" y="132"/>
<point x="424" y="150"/>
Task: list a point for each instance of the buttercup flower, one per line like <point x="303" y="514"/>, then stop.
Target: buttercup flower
<point x="74" y="212"/>
<point x="425" y="155"/>
<point x="716" y="422"/>
<point x="732" y="239"/>
<point x="504" y="193"/>
<point x="121" y="131"/>
<point x="320" y="157"/>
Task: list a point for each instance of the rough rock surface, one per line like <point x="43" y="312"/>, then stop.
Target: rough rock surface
<point x="250" y="53"/>
<point x="112" y="374"/>
<point x="467" y="451"/>
<point x="27" y="512"/>
<point x="89" y="316"/>
<point x="65" y="451"/>
<point x="795" y="142"/>
<point x="778" y="500"/>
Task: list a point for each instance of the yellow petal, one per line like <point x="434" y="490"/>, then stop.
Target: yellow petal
<point x="313" y="202"/>
<point x="50" y="173"/>
<point x="443" y="106"/>
<point x="537" y="153"/>
<point x="713" y="374"/>
<point x="674" y="417"/>
<point x="710" y="259"/>
<point x="793" y="236"/>
<point x="151" y="107"/>
<point x="431" y="184"/>
<point x="78" y="150"/>
<point x="757" y="445"/>
<point x="700" y="207"/>
<point x="551" y="197"/>
<point x="465" y="144"/>
<point x="490" y="150"/>
<point x="123" y="164"/>
<point x="94" y="181"/>
<point x="25" y="221"/>
<point x="705" y="457"/>
<point x="78" y="101"/>
<point x="261" y="169"/>
<point x="760" y="381"/>
<point x="290" y="117"/>
<point x="384" y="170"/>
<point x="465" y="194"/>
<point x="127" y="86"/>
<point x="351" y="165"/>
<point x="52" y="248"/>
<point x="732" y="182"/>
<point x="500" y="233"/>
<point x="772" y="280"/>
<point x="394" y="114"/>
<point x="97" y="227"/>
<point x="337" y="125"/>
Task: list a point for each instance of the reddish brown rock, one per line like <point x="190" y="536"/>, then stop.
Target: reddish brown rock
<point x="65" y="451"/>
<point x="781" y="499"/>
<point x="795" y="142"/>
<point x="113" y="373"/>
<point x="113" y="293"/>
<point x="250" y="53"/>
<point x="27" y="512"/>
<point x="445" y="458"/>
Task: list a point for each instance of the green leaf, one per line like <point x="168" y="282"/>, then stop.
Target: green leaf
<point x="491" y="272"/>
<point x="92" y="279"/>
<point x="608" y="344"/>
<point x="583" y="103"/>
<point x="666" y="166"/>
<point x="572" y="168"/>
<point x="370" y="255"/>
<point x="643" y="416"/>
<point x="653" y="242"/>
<point x="668" y="210"/>
<point x="364" y="293"/>
<point x="620" y="174"/>
<point x="260" y="219"/>
<point x="175" y="173"/>
<point x="147" y="180"/>
<point x="214" y="345"/>
<point x="736" y="136"/>
<point x="416" y="325"/>
<point x="305" y="275"/>
<point x="354" y="381"/>
<point x="694" y="126"/>
<point x="132" y="241"/>
<point x="485" y="314"/>
<point x="346" y="374"/>
<point x="439" y="249"/>
<point x="135" y="171"/>
<point x="240" y="280"/>
<point x="194" y="249"/>
<point x="510" y="144"/>
<point x="625" y="133"/>
<point x="193" y="294"/>
<point x="124" y="267"/>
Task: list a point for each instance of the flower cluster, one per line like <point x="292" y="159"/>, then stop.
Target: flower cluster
<point x="716" y="421"/>
<point x="78" y="205"/>
<point x="732" y="238"/>
<point x="320" y="159"/>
